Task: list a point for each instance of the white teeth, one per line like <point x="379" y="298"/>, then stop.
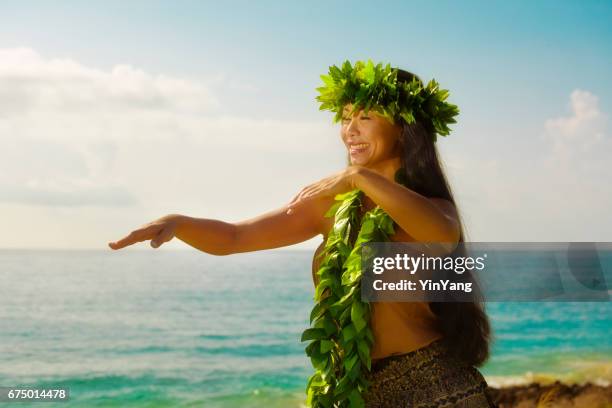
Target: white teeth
<point x="359" y="146"/>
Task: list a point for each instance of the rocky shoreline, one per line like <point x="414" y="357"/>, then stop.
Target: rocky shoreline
<point x="557" y="395"/>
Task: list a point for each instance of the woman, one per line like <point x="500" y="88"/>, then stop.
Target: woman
<point x="422" y="354"/>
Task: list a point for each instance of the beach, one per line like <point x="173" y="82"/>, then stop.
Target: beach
<point x="186" y="329"/>
<point x="557" y="395"/>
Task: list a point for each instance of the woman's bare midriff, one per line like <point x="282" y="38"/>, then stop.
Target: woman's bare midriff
<point x="398" y="327"/>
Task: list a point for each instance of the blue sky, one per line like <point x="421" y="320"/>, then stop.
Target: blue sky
<point x="512" y="67"/>
<point x="523" y="49"/>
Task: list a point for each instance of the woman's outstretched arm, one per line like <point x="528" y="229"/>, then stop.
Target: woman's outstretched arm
<point x="270" y="230"/>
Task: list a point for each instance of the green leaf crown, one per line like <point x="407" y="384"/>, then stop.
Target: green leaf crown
<point x="376" y="87"/>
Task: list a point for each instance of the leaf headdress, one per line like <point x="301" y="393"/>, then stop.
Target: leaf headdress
<point x="368" y="86"/>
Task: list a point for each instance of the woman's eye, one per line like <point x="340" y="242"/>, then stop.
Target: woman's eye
<point x="365" y="118"/>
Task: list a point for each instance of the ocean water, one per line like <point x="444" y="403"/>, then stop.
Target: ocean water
<point x="161" y="328"/>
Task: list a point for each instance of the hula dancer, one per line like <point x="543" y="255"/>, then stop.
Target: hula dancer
<point x="379" y="354"/>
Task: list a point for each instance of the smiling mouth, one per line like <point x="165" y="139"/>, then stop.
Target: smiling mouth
<point x="358" y="147"/>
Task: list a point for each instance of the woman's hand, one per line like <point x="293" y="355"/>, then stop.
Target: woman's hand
<point x="328" y="187"/>
<point x="158" y="231"/>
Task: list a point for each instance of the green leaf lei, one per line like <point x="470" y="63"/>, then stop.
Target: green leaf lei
<point x="368" y="86"/>
<point x="340" y="336"/>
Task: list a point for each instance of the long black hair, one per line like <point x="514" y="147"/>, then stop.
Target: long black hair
<point x="464" y="325"/>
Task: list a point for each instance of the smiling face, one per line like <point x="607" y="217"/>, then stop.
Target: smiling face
<point x="370" y="138"/>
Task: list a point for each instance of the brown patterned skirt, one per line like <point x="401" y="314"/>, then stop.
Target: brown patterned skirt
<point x="426" y="378"/>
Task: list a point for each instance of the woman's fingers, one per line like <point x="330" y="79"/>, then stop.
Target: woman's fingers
<point x="312" y="191"/>
<point x="315" y="190"/>
<point x="299" y="195"/>
<point x="304" y="195"/>
<point x="297" y="199"/>
<point x="130" y="239"/>
<point x="135" y="236"/>
<point x="294" y="199"/>
<point x="309" y="191"/>
<point x="122" y="243"/>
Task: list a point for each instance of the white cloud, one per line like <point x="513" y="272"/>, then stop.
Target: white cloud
<point x="76" y="136"/>
<point x="569" y="184"/>
<point x="579" y="134"/>
<point x="581" y="149"/>
<point x="552" y="188"/>
<point x="30" y="82"/>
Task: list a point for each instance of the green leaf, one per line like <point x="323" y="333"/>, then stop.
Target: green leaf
<point x="356" y="400"/>
<point x="323" y="284"/>
<point x="364" y="353"/>
<point x="326" y="345"/>
<point x="311" y="348"/>
<point x="330" y="327"/>
<point x="319" y="361"/>
<point x="349" y="332"/>
<point x="343" y="385"/>
<point x="347" y="296"/>
<point x="314" y="381"/>
<point x="355" y="371"/>
<point x="357" y="315"/>
<point x="313" y="334"/>
<point x="345" y="315"/>
<point x="349" y="362"/>
<point x="315" y="312"/>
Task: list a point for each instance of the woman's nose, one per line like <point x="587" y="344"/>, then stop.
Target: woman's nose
<point x="352" y="128"/>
